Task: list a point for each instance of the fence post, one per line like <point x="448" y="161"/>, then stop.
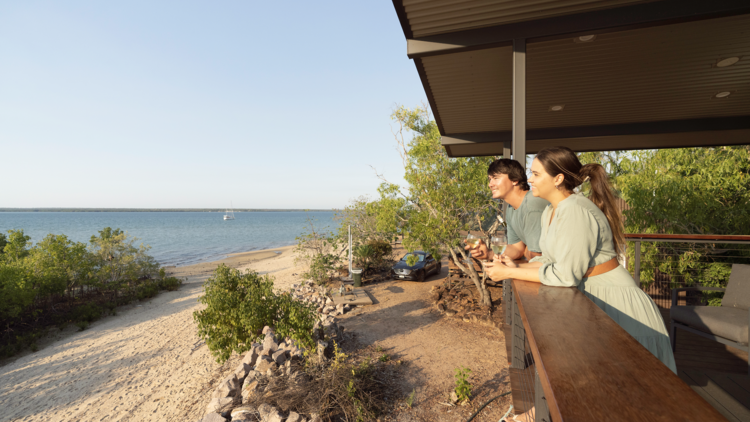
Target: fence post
<point x="637" y="270"/>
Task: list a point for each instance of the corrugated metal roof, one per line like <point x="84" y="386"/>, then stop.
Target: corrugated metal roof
<point x="651" y="74"/>
<point x="430" y="17"/>
<point x="471" y="89"/>
<point x="642" y="75"/>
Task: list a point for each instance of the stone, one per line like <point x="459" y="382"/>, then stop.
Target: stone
<point x="322" y="345"/>
<point x="269" y="413"/>
<point x="280" y="357"/>
<point x="269" y="344"/>
<point x="283" y="345"/>
<point x="252" y="375"/>
<point x="242" y="370"/>
<point x="219" y="403"/>
<point x="229" y="386"/>
<point x="250" y="390"/>
<point x="213" y="417"/>
<point x="242" y="412"/>
<point x="251" y="357"/>
<point x="269" y="373"/>
<point x="267" y="330"/>
<point x="294" y="417"/>
<point x="264" y="364"/>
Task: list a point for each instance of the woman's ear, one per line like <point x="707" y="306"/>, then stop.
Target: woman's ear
<point x="559" y="179"/>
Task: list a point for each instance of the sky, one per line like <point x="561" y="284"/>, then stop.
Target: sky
<point x="197" y="104"/>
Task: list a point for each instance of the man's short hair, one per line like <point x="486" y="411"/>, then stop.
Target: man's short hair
<point x="512" y="169"/>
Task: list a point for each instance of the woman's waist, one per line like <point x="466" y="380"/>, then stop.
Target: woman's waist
<point x="618" y="277"/>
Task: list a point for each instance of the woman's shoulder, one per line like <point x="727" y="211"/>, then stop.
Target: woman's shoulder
<point x="577" y="204"/>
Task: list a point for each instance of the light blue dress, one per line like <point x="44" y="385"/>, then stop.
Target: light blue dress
<point x="578" y="238"/>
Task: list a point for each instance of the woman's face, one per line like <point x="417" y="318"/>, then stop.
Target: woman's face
<point x="542" y="184"/>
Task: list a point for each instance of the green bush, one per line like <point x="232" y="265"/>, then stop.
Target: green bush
<point x="239" y="305"/>
<point x="88" y="312"/>
<point x="170" y="283"/>
<point x="147" y="291"/>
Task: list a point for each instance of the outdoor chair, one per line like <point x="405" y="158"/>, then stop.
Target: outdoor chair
<point x="728" y="323"/>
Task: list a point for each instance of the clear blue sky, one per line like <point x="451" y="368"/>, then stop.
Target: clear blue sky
<point x="197" y="103"/>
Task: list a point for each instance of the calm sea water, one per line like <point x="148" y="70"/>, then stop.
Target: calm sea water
<point x="176" y="238"/>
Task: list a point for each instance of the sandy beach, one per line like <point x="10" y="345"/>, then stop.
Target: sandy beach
<point x="144" y="364"/>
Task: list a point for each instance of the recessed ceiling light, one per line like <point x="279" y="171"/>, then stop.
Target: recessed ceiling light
<point x="723" y="94"/>
<point x="558" y="107"/>
<point x="586" y="38"/>
<point x="727" y="62"/>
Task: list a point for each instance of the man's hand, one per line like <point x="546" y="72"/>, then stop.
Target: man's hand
<point x="480" y="252"/>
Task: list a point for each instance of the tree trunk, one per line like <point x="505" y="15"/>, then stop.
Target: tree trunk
<point x="486" y="299"/>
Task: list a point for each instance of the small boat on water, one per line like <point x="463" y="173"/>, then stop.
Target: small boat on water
<point x="229" y="214"/>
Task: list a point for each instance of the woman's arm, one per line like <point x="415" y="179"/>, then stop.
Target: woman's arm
<point x="500" y="271"/>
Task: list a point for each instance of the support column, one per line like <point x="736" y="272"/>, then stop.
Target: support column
<point x="519" y="101"/>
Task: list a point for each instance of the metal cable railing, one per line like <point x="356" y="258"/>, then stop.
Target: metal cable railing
<point x="662" y="262"/>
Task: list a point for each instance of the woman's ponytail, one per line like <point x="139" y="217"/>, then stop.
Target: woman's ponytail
<point x="601" y="195"/>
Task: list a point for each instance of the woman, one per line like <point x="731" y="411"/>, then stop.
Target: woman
<point x="580" y="241"/>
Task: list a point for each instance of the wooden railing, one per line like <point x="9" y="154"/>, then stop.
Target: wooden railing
<point x="571" y="362"/>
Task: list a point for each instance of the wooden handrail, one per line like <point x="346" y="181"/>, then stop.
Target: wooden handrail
<point x="592" y="370"/>
<point x="687" y="237"/>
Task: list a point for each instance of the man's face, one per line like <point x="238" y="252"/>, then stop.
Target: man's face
<point x="500" y="185"/>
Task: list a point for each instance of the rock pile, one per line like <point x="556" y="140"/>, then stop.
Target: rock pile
<point x="264" y="366"/>
<point x="318" y="296"/>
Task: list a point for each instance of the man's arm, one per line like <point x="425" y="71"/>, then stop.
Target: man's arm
<point x="515" y="251"/>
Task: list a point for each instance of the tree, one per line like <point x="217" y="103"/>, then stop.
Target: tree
<point x="683" y="191"/>
<point x="444" y="195"/>
<point x="118" y="260"/>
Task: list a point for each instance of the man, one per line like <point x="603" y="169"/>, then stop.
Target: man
<point x="507" y="181"/>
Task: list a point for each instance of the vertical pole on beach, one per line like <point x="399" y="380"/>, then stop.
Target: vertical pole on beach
<point x="350" y="250"/>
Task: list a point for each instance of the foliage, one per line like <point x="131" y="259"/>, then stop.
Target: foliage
<point x="410" y="398"/>
<point x="463" y="387"/>
<point x="361" y="215"/>
<point x="57" y="281"/>
<point x="444" y="196"/>
<point x="239" y="305"/>
<point x="319" y="251"/>
<point x="684" y="191"/>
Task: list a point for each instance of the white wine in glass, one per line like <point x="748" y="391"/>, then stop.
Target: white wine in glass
<point x="498" y="244"/>
<point x="472" y="241"/>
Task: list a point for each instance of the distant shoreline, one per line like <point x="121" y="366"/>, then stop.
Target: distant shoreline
<point x="156" y="210"/>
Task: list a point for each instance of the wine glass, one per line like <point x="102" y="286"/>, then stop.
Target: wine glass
<point x="473" y="242"/>
<point x="498" y="243"/>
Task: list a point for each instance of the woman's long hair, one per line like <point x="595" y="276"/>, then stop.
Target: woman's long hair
<point x="557" y="160"/>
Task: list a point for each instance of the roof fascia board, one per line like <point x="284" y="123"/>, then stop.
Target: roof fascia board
<point x="401" y="13"/>
<point x="609" y="143"/>
<point x="621" y="18"/>
<point x="715" y="124"/>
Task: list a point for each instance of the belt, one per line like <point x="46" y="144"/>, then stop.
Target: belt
<point x="602" y="268"/>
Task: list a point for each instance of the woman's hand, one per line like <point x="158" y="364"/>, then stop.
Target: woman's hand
<point x="497" y="270"/>
<point x="508" y="261"/>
